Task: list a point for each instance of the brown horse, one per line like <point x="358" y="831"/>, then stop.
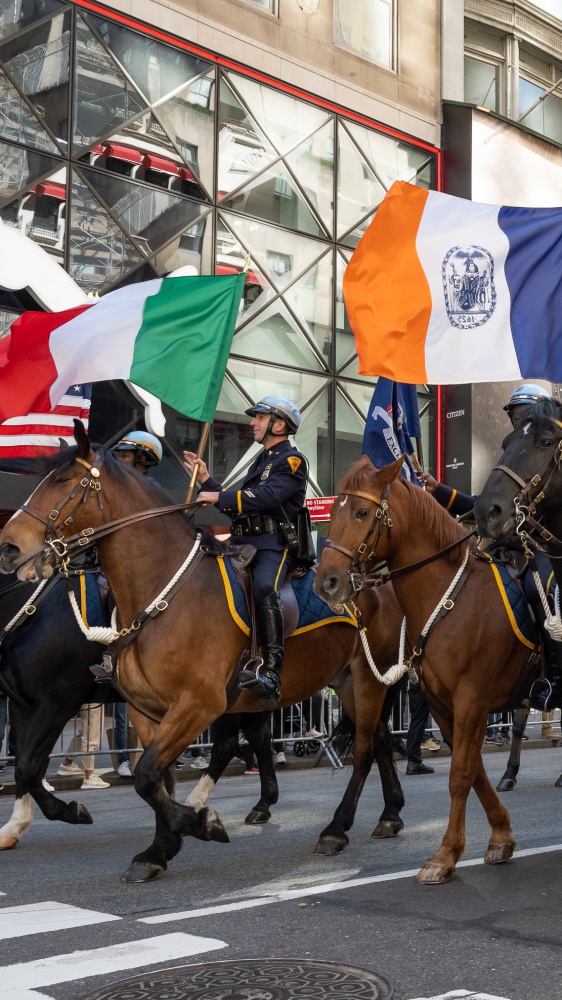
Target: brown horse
<point x="472" y="662"/>
<point x="175" y="674"/>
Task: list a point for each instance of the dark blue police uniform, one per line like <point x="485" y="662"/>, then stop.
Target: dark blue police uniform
<point x="452" y="500"/>
<point x="273" y="491"/>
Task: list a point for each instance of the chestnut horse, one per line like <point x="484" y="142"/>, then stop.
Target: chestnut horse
<point x="472" y="662"/>
<point x="175" y="674"/>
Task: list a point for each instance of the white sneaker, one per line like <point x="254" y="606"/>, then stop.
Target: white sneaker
<point x="94" y="781"/>
<point x="124" y="770"/>
<point x="200" y="763"/>
<point x="47" y="786"/>
<point x="279" y="758"/>
<point x="70" y="769"/>
<point x="314" y="734"/>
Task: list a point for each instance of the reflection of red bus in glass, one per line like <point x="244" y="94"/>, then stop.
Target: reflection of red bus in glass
<point x="40" y="214"/>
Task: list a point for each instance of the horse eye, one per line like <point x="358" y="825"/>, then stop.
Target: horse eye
<point x="67" y="480"/>
<point x="361" y="513"/>
<point x="546" y="443"/>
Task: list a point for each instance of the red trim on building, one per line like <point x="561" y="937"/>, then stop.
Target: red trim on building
<point x="124" y="153"/>
<point x="161" y="164"/>
<point x="439" y="435"/>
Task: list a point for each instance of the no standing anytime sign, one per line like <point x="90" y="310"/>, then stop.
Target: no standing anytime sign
<point x="319" y="508"/>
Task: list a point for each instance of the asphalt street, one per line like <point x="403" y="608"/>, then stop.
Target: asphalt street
<point x="494" y="931"/>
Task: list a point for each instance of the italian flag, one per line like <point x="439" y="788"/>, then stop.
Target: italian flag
<point x="171" y="336"/>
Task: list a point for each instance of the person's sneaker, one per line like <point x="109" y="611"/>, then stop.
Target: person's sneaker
<point x="413" y="768"/>
<point x="279" y="758"/>
<point x="549" y="734"/>
<point x="47" y="786"/>
<point x="70" y="769"/>
<point x="94" y="781"/>
<point x="124" y="769"/>
<point x="314" y="734"/>
<point x="252" y="770"/>
<point x="494" y="740"/>
<point x="200" y="763"/>
<point x="431" y="744"/>
<point x="2" y="768"/>
<point x="399" y="746"/>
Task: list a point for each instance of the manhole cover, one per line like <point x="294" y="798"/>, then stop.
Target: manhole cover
<point x="270" y="979"/>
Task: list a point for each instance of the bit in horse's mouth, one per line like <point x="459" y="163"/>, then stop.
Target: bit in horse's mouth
<point x="36" y="567"/>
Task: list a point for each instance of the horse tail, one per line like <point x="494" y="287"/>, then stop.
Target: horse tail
<point x="343" y="737"/>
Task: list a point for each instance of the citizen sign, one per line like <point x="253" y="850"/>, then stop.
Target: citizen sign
<point x="454" y="413"/>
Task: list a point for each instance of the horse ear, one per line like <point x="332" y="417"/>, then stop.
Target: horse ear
<point x="389" y="473"/>
<point x="81" y="438"/>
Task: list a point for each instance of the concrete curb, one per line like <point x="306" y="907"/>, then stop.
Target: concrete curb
<point x="69" y="784"/>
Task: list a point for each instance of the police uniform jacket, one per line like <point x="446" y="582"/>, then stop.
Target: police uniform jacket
<point x="452" y="500"/>
<point x="275" y="480"/>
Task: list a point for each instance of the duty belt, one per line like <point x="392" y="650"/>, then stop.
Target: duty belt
<point x="255" y="524"/>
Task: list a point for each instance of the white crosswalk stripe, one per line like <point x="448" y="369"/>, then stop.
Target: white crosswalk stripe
<point x="36" y="918"/>
<point x="462" y="995"/>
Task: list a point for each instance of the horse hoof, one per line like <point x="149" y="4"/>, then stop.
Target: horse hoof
<point x="83" y="817"/>
<point x="257" y="816"/>
<point x="214" y="830"/>
<point x="386" y="828"/>
<point x="331" y="845"/>
<point x="498" y="853"/>
<point x="433" y="873"/>
<point x="558" y="784"/>
<point x="6" y="843"/>
<point x="142" y="872"/>
<point x="507" y="784"/>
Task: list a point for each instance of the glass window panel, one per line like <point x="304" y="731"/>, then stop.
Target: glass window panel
<point x="348" y="438"/>
<point x="352" y="238"/>
<point x="359" y="190"/>
<point x="231" y="259"/>
<point x="233" y="447"/>
<point x="17" y="121"/>
<point x="243" y="148"/>
<point x="482" y="40"/>
<point x="310" y="299"/>
<point x="144" y="273"/>
<point x="274" y="335"/>
<point x="189" y="118"/>
<point x="481" y="83"/>
<point x="21" y="168"/>
<point x="152" y="216"/>
<point x="157" y="69"/>
<point x="6" y="319"/>
<point x="528" y="94"/>
<point x="258" y="380"/>
<point x="38" y="62"/>
<point x="345" y="341"/>
<point x="193" y="249"/>
<point x="40" y="214"/>
<point x="390" y="159"/>
<point x="281" y="255"/>
<point x="351" y="370"/>
<point x="15" y="15"/>
<point x="553" y="118"/>
<point x="270" y="5"/>
<point x="313" y="163"/>
<point x="275" y="197"/>
<point x="365" y="27"/>
<point x="104" y="100"/>
<point x="314" y="441"/>
<point x="284" y="119"/>
<point x="100" y="253"/>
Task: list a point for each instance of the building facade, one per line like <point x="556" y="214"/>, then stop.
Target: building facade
<point x="142" y="137"/>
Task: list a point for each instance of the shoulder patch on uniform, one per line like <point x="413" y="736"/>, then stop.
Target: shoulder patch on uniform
<point x="294" y="462"/>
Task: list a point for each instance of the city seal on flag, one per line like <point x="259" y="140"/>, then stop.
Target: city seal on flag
<point x="468" y="286"/>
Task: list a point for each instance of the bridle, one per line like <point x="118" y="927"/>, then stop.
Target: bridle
<point x="380" y="520"/>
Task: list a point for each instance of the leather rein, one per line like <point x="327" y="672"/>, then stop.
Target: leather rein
<point x="381" y="519"/>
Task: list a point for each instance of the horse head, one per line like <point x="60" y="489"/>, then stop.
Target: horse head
<point x="359" y="534"/>
<point x="60" y="496"/>
<point x="532" y="450"/>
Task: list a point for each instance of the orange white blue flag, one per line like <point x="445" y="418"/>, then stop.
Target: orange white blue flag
<point x="444" y="290"/>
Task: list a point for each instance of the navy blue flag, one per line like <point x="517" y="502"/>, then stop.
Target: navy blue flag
<point x="386" y="435"/>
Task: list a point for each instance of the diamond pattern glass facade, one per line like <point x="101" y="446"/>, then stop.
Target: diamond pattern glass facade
<point x="127" y="157"/>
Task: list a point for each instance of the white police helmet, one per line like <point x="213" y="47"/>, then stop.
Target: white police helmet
<point x="141" y="441"/>
<point x="278" y="407"/>
<point x="526" y="394"/>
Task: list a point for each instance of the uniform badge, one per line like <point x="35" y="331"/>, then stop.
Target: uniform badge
<point x="265" y="473"/>
<point x="468" y="286"/>
<point x="294" y="463"/>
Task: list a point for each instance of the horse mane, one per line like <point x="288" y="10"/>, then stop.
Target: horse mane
<point x="121" y="472"/>
<point x="436" y="519"/>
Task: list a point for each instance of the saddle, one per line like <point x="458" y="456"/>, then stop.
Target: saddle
<point x="242" y="558"/>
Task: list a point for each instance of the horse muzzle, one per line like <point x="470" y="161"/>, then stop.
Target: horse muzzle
<point x="28" y="567"/>
<point x="493" y="521"/>
<point x="334" y="588"/>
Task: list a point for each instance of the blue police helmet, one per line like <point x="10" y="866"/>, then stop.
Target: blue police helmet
<point x="526" y="394"/>
<point x="278" y="407"/>
<point x="148" y="445"/>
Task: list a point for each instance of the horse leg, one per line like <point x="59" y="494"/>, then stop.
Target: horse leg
<point x="509" y="779"/>
<point x="166" y="741"/>
<point x="390" y="822"/>
<point x="257" y="730"/>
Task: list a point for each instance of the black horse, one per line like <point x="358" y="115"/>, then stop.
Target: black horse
<point x="45" y="671"/>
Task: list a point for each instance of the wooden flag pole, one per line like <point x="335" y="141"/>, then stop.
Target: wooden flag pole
<point x="200" y="449"/>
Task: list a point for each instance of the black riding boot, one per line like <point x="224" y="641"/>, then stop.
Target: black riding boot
<point x="269" y="616"/>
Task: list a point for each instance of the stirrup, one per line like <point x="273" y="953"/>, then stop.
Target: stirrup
<point x="103" y="672"/>
<point x="249" y="678"/>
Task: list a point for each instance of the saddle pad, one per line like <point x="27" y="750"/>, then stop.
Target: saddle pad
<point x="91" y="606"/>
<point x="516" y="605"/>
<point x="313" y="611"/>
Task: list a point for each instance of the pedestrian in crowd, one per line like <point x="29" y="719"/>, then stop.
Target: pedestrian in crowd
<point x="419" y="719"/>
<point x="86" y="740"/>
<point x="121" y="739"/>
<point x="547" y="731"/>
<point x="429" y="741"/>
<point x="492" y="731"/>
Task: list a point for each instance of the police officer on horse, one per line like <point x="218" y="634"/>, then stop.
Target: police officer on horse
<point x="140" y="449"/>
<point x="264" y="512"/>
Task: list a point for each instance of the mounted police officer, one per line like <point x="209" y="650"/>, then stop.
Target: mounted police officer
<point x="264" y="511"/>
<point x="140" y="449"/>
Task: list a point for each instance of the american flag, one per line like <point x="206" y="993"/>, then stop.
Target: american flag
<point x="40" y="433"/>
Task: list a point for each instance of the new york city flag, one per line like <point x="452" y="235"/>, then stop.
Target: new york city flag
<point x="444" y="290"/>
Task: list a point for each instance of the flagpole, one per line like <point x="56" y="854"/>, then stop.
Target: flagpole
<point x="205" y="429"/>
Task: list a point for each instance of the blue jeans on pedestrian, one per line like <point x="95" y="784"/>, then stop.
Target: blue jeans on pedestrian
<point x="120" y="731"/>
<point x="493" y="719"/>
